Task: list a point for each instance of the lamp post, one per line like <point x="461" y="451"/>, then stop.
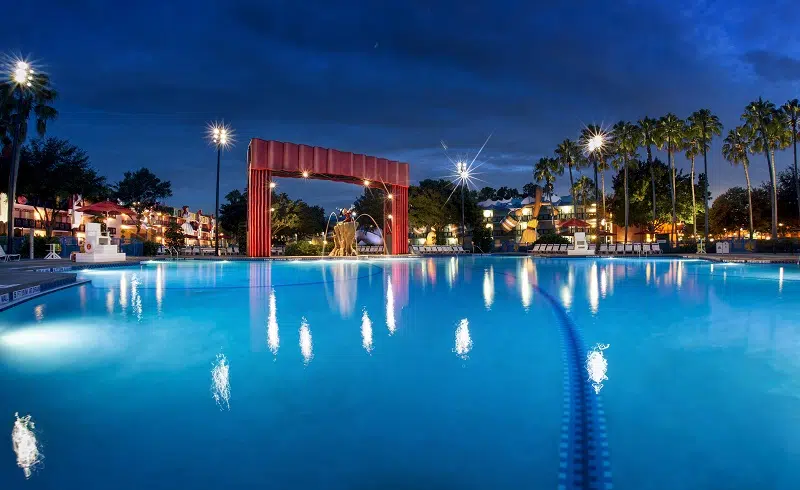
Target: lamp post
<point x="463" y="175"/>
<point x="21" y="78"/>
<point x="221" y="137"/>
<point x="594" y="147"/>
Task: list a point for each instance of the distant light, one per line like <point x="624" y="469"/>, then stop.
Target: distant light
<point x="367" y="183"/>
<point x="220" y="134"/>
<point x="489" y="225"/>
<point x="21" y="73"/>
<point x="390" y="196"/>
<point x="272" y="185"/>
<point x="389" y="216"/>
<point x="305" y="174"/>
<point x="272" y="209"/>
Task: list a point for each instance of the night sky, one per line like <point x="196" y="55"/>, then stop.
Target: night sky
<point x="393" y="78"/>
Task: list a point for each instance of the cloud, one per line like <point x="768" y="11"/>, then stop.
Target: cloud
<point x="774" y="67"/>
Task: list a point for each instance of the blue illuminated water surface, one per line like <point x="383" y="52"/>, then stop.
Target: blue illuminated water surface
<point x="382" y="390"/>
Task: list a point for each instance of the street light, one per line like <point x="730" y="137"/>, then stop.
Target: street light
<point x="221" y="136"/>
<point x="21" y="78"/>
<point x="463" y="176"/>
<point x="593" y="146"/>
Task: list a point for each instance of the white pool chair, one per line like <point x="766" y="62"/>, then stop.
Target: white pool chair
<point x="637" y="248"/>
<point x="4" y="257"/>
<point x="628" y="249"/>
<point x="604" y="249"/>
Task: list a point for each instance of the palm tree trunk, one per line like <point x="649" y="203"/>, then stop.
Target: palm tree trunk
<point x="694" y="205"/>
<point x="603" y="185"/>
<point x="596" y="198"/>
<point x="572" y="191"/>
<point x="749" y="198"/>
<point x="652" y="184"/>
<point x="673" y="233"/>
<point x="705" y="190"/>
<point x="626" y="200"/>
<point x="774" y="196"/>
<point x="796" y="180"/>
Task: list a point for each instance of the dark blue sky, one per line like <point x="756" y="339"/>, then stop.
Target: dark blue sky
<point x="393" y="78"/>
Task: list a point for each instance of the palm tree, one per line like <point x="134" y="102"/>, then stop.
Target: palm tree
<point x="569" y="157"/>
<point x="627" y="138"/>
<point x="792" y="111"/>
<point x="758" y="117"/>
<point x="545" y="171"/>
<point x="17" y="101"/>
<point x="647" y="128"/>
<point x="593" y="141"/>
<point x="708" y="125"/>
<point x="583" y="189"/>
<point x="734" y="149"/>
<point x="691" y="144"/>
<point x="669" y="134"/>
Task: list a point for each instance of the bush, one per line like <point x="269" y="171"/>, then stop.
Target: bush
<point x="781" y="245"/>
<point x="150" y="249"/>
<point x="482" y="238"/>
<point x="548" y="238"/>
<point x="39" y="246"/>
<point x="303" y="248"/>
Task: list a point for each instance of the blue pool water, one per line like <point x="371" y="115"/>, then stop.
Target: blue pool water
<point x="466" y="373"/>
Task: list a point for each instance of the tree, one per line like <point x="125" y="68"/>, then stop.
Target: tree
<point x="584" y="189"/>
<point x="792" y="111"/>
<point x="17" y="100"/>
<point x="141" y="190"/>
<point x="707" y="125"/>
<point x="529" y="189"/>
<point x="626" y="141"/>
<point x="173" y="234"/>
<point x="506" y="193"/>
<point x="759" y="117"/>
<point x="570" y="157"/>
<point x="640" y="197"/>
<point x="371" y="202"/>
<point x="233" y="216"/>
<point x="433" y="204"/>
<point x="691" y="144"/>
<point x="593" y="140"/>
<point x="312" y="220"/>
<point x="735" y="148"/>
<point x="487" y="194"/>
<point x="731" y="210"/>
<point x="52" y="171"/>
<point x="284" y="215"/>
<point x="647" y="128"/>
<point x="669" y="135"/>
<point x="545" y="171"/>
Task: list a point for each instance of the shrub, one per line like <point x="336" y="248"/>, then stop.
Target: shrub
<point x="303" y="248"/>
<point x="39" y="246"/>
<point x="482" y="237"/>
<point x="551" y="238"/>
<point x="150" y="249"/>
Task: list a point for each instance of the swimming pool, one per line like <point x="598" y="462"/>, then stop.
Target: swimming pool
<point x="465" y="373"/>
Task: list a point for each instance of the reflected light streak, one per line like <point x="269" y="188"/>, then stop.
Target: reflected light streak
<point x="604" y="282"/>
<point x="366" y="332"/>
<point x="25" y="446"/>
<point x="39" y="310"/>
<point x="110" y="302"/>
<point x="159" y="286"/>
<point x="647" y="273"/>
<point x="780" y="280"/>
<point x="525" y="290"/>
<point x="123" y="291"/>
<point x="273" y="338"/>
<point x="391" y="324"/>
<point x="594" y="289"/>
<point x="597" y="366"/>
<point x="452" y="269"/>
<point x="220" y="382"/>
<point x="136" y="299"/>
<point x="566" y="296"/>
<point x="306" y="345"/>
<point x="488" y="287"/>
<point x="463" y="339"/>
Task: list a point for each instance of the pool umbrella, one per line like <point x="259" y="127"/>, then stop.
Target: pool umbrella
<point x="106" y="207"/>
<point x="577" y="223"/>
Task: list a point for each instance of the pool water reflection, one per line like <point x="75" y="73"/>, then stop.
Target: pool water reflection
<point x="426" y="373"/>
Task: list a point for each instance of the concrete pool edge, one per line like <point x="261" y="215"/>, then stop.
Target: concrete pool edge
<point x="39" y="290"/>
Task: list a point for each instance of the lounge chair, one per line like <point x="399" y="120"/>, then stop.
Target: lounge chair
<point x="537" y="249"/>
<point x="562" y="248"/>
<point x="628" y="248"/>
<point x="637" y="248"/>
<point x="656" y="248"/>
<point x="604" y="249"/>
<point x="4" y="257"/>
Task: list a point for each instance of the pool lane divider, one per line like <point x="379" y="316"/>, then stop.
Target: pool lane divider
<point x="584" y="458"/>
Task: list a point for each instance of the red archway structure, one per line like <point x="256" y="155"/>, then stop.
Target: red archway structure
<point x="268" y="159"/>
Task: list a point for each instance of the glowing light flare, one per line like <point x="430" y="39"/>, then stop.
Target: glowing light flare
<point x="594" y="289"/>
<point x="525" y="289"/>
<point x="463" y="339"/>
<point x="25" y="445"/>
<point x="273" y="338"/>
<point x="366" y="332"/>
<point x="391" y="324"/>
<point x="389" y="196"/>
<point x="367" y="183"/>
<point x="597" y="366"/>
<point x="488" y="287"/>
<point x="305" y="174"/>
<point x="306" y="344"/>
<point x="220" y="134"/>
<point x="595" y="142"/>
<point x="21" y="73"/>
<point x="220" y="382"/>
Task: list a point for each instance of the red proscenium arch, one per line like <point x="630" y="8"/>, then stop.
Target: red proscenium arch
<point x="268" y="159"/>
